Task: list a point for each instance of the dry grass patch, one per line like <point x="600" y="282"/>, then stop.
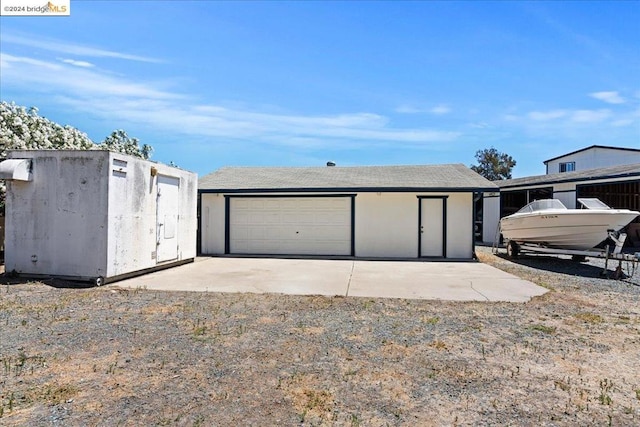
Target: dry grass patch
<point x="591" y="318"/>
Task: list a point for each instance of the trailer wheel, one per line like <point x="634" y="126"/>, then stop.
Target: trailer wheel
<point x="513" y="250"/>
<point x="98" y="281"/>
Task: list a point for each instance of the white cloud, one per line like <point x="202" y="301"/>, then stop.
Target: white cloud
<point x="622" y="122"/>
<point x="411" y="109"/>
<point x="547" y="115"/>
<point x="608" y="97"/>
<point x="83" y="64"/>
<point x="217" y="121"/>
<point x="10" y="62"/>
<point x="52" y="45"/>
<point x="480" y="125"/>
<point x="564" y="116"/>
<point x="71" y="79"/>
<point x="576" y="124"/>
<point x="440" y="109"/>
<point x="119" y="100"/>
<point x="590" y="116"/>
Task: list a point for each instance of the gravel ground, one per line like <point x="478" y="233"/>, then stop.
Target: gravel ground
<point x="110" y="356"/>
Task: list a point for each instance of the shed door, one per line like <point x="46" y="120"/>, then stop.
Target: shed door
<point x="432" y="227"/>
<point x="167" y="218"/>
<point x="290" y="225"/>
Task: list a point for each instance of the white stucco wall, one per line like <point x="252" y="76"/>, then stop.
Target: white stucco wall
<point x="132" y="213"/>
<point x="212" y="222"/>
<point x="460" y="225"/>
<point x="90" y="214"/>
<point x="56" y="223"/>
<point x="386" y="224"/>
<point x="595" y="158"/>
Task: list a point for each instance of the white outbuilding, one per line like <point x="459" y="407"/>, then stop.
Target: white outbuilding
<point x="424" y="211"/>
<point x="592" y="157"/>
<point x="95" y="215"/>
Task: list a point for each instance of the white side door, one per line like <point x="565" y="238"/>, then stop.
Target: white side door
<point x="167" y="218"/>
<point x="432" y="227"/>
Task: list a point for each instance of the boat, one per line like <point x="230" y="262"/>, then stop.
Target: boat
<point x="550" y="224"/>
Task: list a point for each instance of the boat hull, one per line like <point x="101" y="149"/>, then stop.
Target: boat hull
<point x="565" y="229"/>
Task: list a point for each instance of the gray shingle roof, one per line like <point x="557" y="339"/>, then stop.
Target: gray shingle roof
<point x="452" y="177"/>
<point x="584" y="175"/>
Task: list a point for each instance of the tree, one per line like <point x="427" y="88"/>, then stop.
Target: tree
<point x="22" y="128"/>
<point x="493" y="165"/>
<point x="121" y="142"/>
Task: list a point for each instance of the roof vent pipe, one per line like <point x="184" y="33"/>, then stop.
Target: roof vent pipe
<point x="330" y="163"/>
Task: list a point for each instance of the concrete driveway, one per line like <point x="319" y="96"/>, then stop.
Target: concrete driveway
<point x="451" y="281"/>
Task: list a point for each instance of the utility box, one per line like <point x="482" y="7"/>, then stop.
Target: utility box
<point x="95" y="215"/>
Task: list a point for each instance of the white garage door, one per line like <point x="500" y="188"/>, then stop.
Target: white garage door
<point x="290" y="225"/>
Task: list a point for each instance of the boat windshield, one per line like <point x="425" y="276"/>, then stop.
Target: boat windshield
<point x="593" y="204"/>
<point x="542" y="205"/>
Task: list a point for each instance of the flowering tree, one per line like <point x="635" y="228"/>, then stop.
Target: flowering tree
<point x="22" y="128"/>
<point x="119" y="141"/>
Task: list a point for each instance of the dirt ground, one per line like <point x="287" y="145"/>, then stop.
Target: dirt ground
<point x="109" y="356"/>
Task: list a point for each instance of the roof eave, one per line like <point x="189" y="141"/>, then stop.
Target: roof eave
<point x="351" y="190"/>
<point x="590" y="147"/>
<point x="564" y="180"/>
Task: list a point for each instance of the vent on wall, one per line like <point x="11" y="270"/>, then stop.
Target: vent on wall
<point x="119" y="168"/>
<point x="16" y="169"/>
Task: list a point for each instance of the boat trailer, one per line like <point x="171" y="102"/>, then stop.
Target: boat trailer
<point x="609" y="253"/>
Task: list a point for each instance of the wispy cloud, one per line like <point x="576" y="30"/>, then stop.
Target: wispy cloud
<point x="119" y="100"/>
<point x="235" y="124"/>
<point x="83" y="64"/>
<point x="411" y="109"/>
<point x="590" y="116"/>
<point x="558" y="125"/>
<point x="608" y="97"/>
<point x="440" y="109"/>
<point x="575" y="116"/>
<point x="547" y="115"/>
<point x="58" y="46"/>
<point x="81" y="81"/>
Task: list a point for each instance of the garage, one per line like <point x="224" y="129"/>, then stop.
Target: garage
<point x="313" y="225"/>
<point x="400" y="212"/>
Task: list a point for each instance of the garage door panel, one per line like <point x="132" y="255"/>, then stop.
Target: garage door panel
<point x="272" y="218"/>
<point x="242" y="204"/>
<point x="268" y="204"/>
<point x="340" y="220"/>
<point x="333" y="233"/>
<point x="256" y="218"/>
<point x="242" y="233"/>
<point x="256" y="233"/>
<point x="240" y="218"/>
<point x="290" y="225"/>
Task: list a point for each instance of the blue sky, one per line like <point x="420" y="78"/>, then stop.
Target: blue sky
<point x="211" y="84"/>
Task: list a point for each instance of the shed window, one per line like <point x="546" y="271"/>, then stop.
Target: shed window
<point x="567" y="167"/>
